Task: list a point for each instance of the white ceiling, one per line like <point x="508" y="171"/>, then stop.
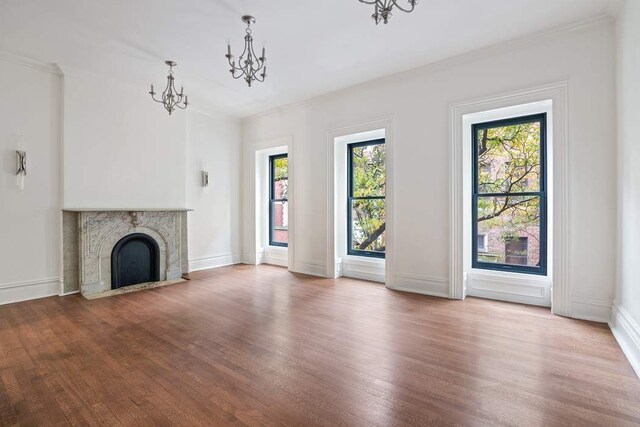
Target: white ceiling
<point x="313" y="46"/>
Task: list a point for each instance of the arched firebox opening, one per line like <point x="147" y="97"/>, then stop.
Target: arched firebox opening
<point x="135" y="259"/>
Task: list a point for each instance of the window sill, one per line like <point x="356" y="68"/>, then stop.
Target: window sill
<point x="509" y="276"/>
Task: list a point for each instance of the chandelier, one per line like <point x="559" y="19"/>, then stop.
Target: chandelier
<point x="384" y="8"/>
<point x="249" y="64"/>
<point x="171" y="98"/>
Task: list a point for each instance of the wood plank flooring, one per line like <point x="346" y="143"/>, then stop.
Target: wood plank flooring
<point x="248" y="345"/>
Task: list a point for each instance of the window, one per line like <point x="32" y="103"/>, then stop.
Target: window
<point x="278" y="200"/>
<point x="482" y="242"/>
<point x="366" y="206"/>
<point x="509" y="195"/>
<point x="516" y="250"/>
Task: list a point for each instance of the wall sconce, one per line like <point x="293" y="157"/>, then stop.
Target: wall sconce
<point x="21" y="167"/>
<point x="205" y="178"/>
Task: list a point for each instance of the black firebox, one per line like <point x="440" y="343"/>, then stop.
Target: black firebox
<point x="135" y="259"/>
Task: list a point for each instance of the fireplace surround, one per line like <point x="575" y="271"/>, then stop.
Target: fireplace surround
<point x="91" y="236"/>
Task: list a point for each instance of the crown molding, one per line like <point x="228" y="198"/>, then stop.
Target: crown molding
<point x="604" y="19"/>
<point x="30" y="63"/>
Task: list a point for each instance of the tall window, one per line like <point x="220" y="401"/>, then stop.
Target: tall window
<point x="278" y="200"/>
<point x="510" y="195"/>
<point x="366" y="213"/>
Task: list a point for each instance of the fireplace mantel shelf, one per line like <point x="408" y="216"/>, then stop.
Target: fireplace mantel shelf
<point x="126" y="210"/>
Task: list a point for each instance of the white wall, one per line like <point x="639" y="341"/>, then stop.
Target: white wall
<point x="30" y="220"/>
<point x="626" y="313"/>
<point x="419" y="103"/>
<point x="214" y="225"/>
<point x="121" y="150"/>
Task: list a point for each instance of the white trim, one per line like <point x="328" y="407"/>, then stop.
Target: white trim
<point x="250" y="214"/>
<point x="559" y="250"/>
<point x="34" y="64"/>
<point x="213" y="262"/>
<point x="627" y="333"/>
<point x="443" y="64"/>
<point x="424" y="285"/>
<point x="505" y="286"/>
<point x="372" y="269"/>
<point x="332" y="254"/>
<point x="592" y="309"/>
<point x="310" y="268"/>
<point x="28" y="290"/>
<point x="275" y="255"/>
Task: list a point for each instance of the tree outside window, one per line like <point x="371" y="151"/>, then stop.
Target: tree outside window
<point x="366" y="213"/>
<point x="509" y="195"/>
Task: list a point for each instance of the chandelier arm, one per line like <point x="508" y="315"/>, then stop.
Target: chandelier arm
<point x="154" y="98"/>
<point x="370" y="2"/>
<point x="411" y="4"/>
<point x="244" y="51"/>
<point x="258" y="61"/>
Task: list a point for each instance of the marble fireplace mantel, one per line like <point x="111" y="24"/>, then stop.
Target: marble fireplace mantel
<point x="89" y="236"/>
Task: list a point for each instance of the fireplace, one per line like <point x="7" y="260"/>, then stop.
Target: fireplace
<point x="110" y="249"/>
<point x="135" y="259"/>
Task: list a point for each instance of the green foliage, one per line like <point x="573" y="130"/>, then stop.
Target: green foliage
<point x="281" y="177"/>
<point x="369" y="180"/>
<point x="509" y="161"/>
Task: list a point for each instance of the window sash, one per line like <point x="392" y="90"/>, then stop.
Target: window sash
<point x="542" y="195"/>
<point x="273" y="200"/>
<point x="351" y="198"/>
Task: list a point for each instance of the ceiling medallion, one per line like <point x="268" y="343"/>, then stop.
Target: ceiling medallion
<point x="171" y="98"/>
<point x="384" y="8"/>
<point x="249" y="64"/>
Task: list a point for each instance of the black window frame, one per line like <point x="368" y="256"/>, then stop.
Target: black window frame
<point x="540" y="270"/>
<point x="272" y="200"/>
<point x="351" y="198"/>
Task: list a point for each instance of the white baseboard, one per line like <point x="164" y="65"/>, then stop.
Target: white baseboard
<point x="213" y="262"/>
<point x="311" y="268"/>
<point x="64" y="294"/>
<point x="592" y="309"/>
<point x="421" y="285"/>
<point x="627" y="333"/>
<point x="33" y="289"/>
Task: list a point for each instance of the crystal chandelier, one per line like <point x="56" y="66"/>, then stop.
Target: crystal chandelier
<point x="249" y="64"/>
<point x="384" y="8"/>
<point x="171" y="98"/>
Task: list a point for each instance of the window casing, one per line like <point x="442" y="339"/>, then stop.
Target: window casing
<point x="366" y="203"/>
<point x="278" y="200"/>
<point x="509" y="195"/>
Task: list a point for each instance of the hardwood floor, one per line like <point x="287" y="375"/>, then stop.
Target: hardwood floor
<point x="259" y="345"/>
